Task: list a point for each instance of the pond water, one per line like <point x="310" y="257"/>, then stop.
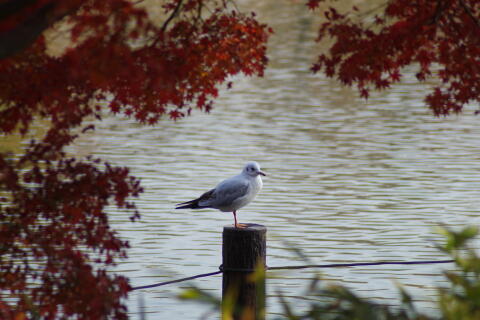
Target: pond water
<point x="348" y="180"/>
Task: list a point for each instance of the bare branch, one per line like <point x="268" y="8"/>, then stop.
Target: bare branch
<point x="174" y="13"/>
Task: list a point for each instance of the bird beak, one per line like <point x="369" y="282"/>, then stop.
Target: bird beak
<point x="262" y="173"/>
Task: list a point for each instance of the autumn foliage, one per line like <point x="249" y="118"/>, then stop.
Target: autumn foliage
<point x="440" y="38"/>
<point x="65" y="61"/>
<point x="55" y="239"/>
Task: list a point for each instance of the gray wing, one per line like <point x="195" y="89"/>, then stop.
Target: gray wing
<point x="199" y="203"/>
<point x="227" y="192"/>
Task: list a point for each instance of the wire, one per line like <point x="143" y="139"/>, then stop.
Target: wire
<point x="333" y="265"/>
<point x="178" y="280"/>
<point x="340" y="265"/>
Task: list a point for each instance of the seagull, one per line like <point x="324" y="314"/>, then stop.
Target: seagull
<point x="232" y="193"/>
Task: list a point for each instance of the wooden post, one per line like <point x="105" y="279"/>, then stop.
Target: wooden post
<point x="244" y="262"/>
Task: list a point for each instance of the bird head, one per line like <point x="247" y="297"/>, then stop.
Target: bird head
<point x="253" y="169"/>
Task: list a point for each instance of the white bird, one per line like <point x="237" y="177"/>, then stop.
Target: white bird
<point x="232" y="193"/>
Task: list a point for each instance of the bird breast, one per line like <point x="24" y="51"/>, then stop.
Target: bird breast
<point x="255" y="186"/>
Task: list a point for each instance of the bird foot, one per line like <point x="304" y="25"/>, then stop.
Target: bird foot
<point x="241" y="226"/>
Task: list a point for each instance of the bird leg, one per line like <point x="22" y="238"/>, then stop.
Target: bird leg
<point x="238" y="225"/>
<point x="235" y="218"/>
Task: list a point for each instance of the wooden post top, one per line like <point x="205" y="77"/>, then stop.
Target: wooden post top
<point x="244" y="248"/>
<point x="250" y="227"/>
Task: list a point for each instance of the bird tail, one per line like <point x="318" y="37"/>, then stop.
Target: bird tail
<point x="195" y="203"/>
<point x="192" y="204"/>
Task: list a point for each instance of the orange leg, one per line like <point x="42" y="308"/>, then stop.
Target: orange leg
<point x="238" y="225"/>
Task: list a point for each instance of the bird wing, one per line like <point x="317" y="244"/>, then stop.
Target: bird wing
<point x="227" y="192"/>
<point x="195" y="203"/>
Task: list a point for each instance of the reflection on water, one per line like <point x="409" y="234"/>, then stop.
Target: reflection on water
<point x="348" y="180"/>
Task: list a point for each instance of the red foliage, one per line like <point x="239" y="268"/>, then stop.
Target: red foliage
<point x="54" y="232"/>
<point x="440" y="38"/>
<point x="313" y="4"/>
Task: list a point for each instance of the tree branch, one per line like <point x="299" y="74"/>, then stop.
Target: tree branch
<point x="25" y="33"/>
<point x="10" y="7"/>
<point x="174" y="13"/>
<point x="438" y="11"/>
<point x="18" y="39"/>
<point x="470" y="13"/>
